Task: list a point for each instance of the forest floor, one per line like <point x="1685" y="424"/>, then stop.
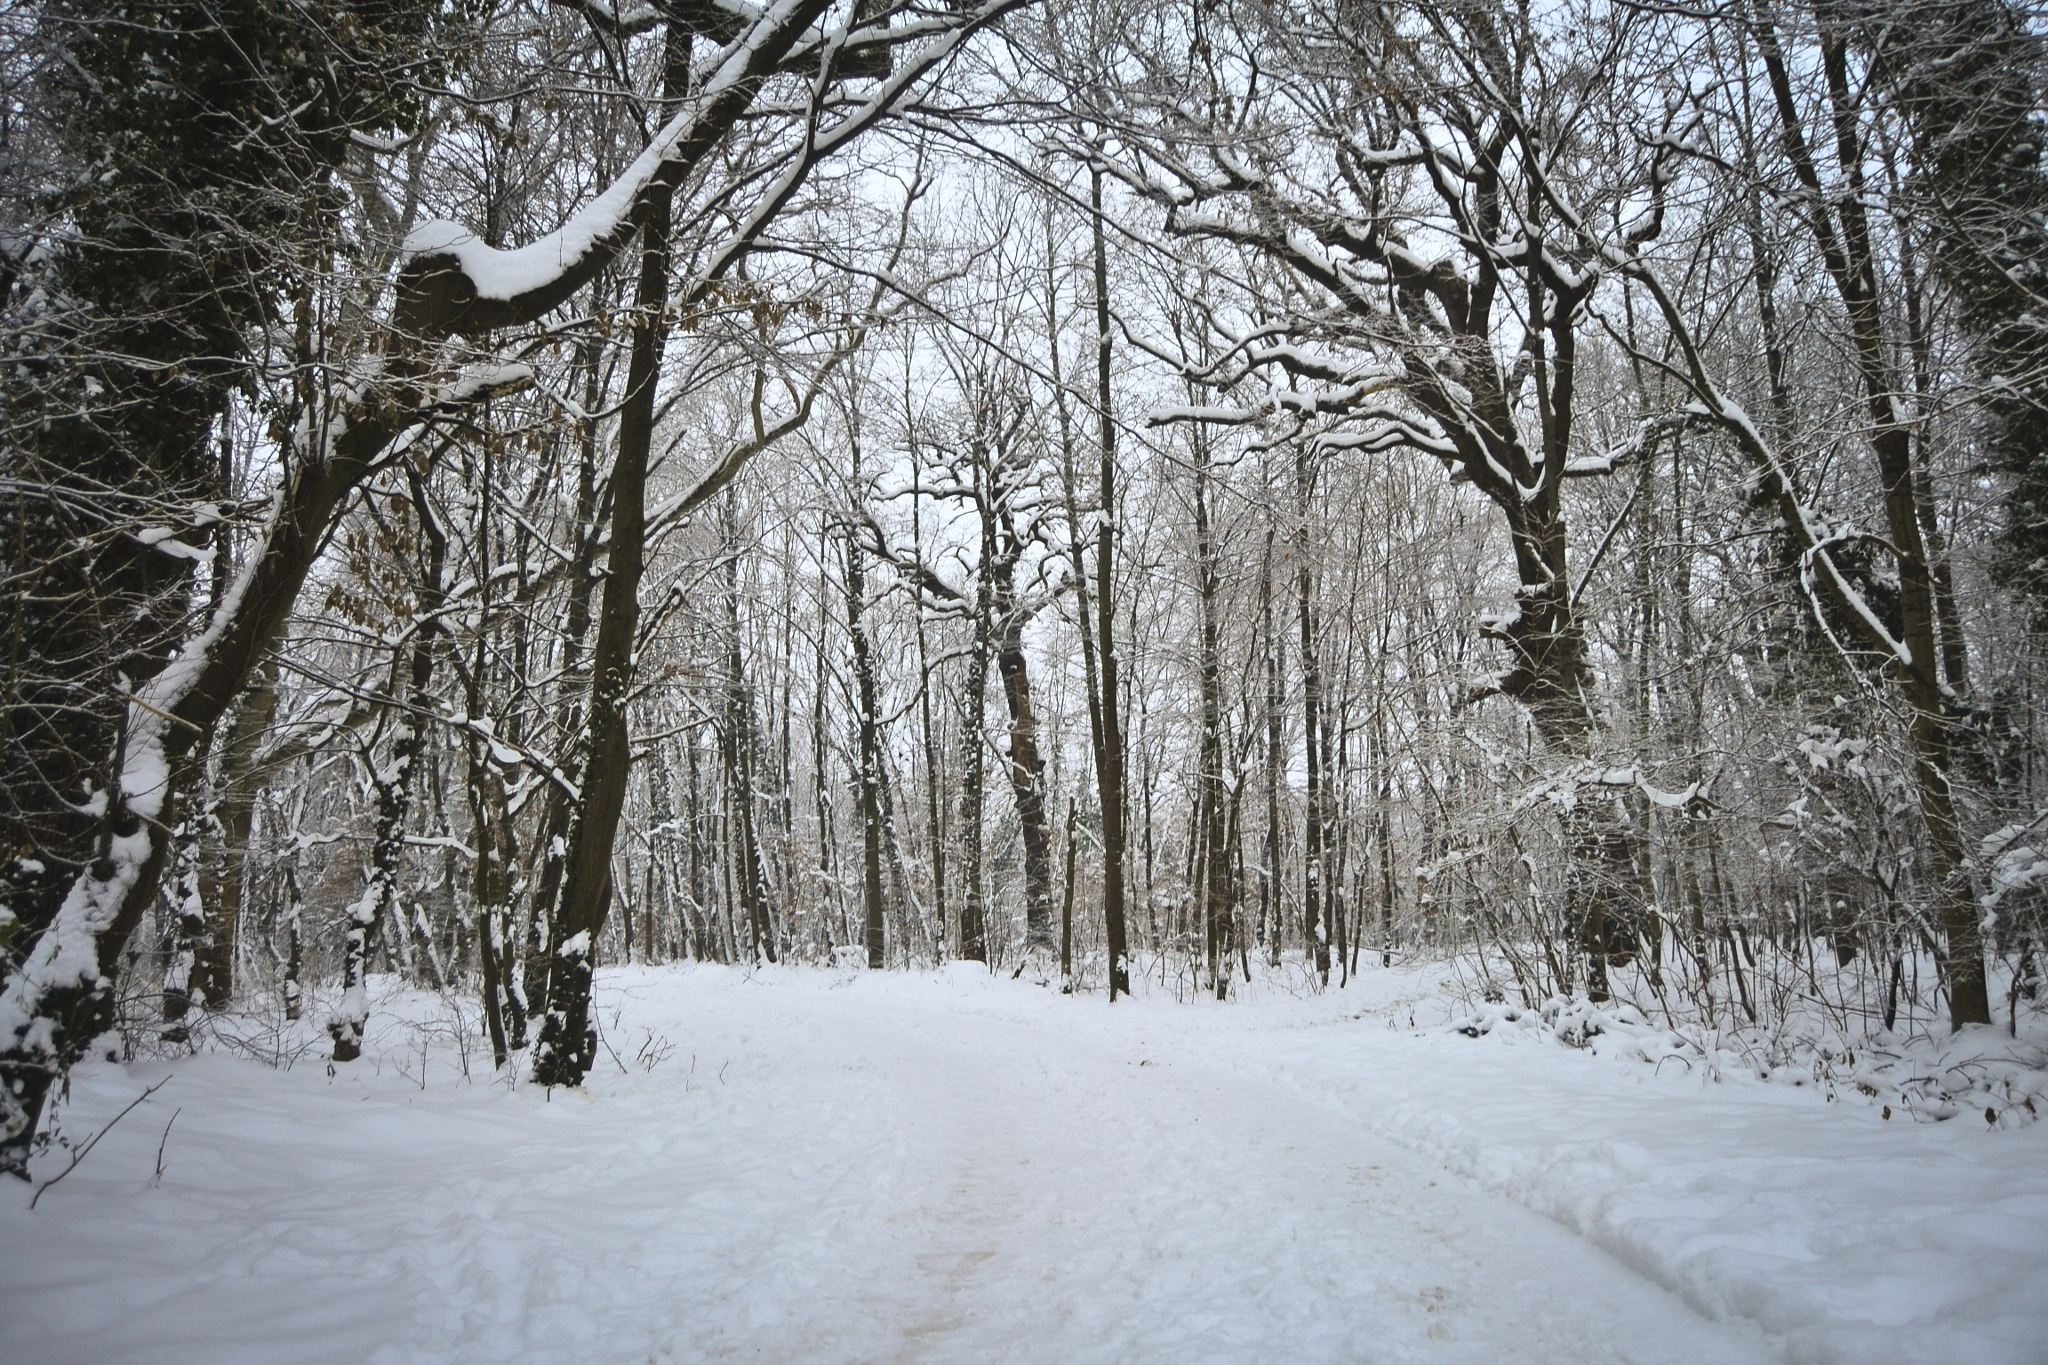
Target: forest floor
<point x="803" y="1165"/>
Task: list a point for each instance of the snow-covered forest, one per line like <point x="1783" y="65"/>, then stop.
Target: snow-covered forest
<point x="1439" y="572"/>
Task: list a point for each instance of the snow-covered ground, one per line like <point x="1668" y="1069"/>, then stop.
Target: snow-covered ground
<point x="803" y="1165"/>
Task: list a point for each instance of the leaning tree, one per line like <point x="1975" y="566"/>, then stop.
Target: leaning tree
<point x="755" y="99"/>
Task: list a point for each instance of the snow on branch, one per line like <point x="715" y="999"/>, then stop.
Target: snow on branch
<point x="456" y="279"/>
<point x="1648" y="433"/>
<point x="453" y="272"/>
<point x="506" y="754"/>
<point x="1563" y="789"/>
<point x="1294" y="402"/>
<point x="2017" y="856"/>
<point x="1217" y="416"/>
<point x="480" y="381"/>
<point x="624" y="21"/>
<point x="450" y="284"/>
<point x="507" y="275"/>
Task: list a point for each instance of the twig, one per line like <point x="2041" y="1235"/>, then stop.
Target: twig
<point x="609" y="1048"/>
<point x="79" y="1152"/>
<point x="159" y="1177"/>
<point x="159" y="711"/>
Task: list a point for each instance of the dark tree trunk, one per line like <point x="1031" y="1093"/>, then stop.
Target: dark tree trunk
<point x="1314" y="927"/>
<point x="1214" y="880"/>
<point x="1848" y="250"/>
<point x="231" y="819"/>
<point x="973" y="704"/>
<point x="567" y="1045"/>
<point x="935" y="806"/>
<point x="1270" y="906"/>
<point x="737" y="734"/>
<point x="1067" y="909"/>
<point x="1026" y="766"/>
<point x="1109" y="751"/>
<point x="868" y="722"/>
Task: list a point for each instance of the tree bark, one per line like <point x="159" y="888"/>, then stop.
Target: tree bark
<point x="379" y="904"/>
<point x="1218" y="903"/>
<point x="567" y="1045"/>
<point x="973" y="740"/>
<point x="1109" y="753"/>
<point x="868" y="723"/>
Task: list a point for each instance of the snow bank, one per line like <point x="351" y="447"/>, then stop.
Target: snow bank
<point x="1859" y="1239"/>
<point x="1980" y="1071"/>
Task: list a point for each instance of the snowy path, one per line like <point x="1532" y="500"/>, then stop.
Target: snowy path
<point x="1078" y="1202"/>
<point x="938" y="1169"/>
<point x="1066" y="1201"/>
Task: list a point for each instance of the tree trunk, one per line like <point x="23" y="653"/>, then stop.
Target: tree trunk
<point x="1316" y="825"/>
<point x="935" y="816"/>
<point x="1026" y="766"/>
<point x="737" y="734"/>
<point x="567" y="1045"/>
<point x="1214" y="878"/>
<point x="236" y="817"/>
<point x="379" y="905"/>
<point x="873" y="906"/>
<point x="1848" y="250"/>
<point x="1109" y="753"/>
<point x="1067" y="910"/>
<point x="973" y="910"/>
<point x="1271" y="909"/>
